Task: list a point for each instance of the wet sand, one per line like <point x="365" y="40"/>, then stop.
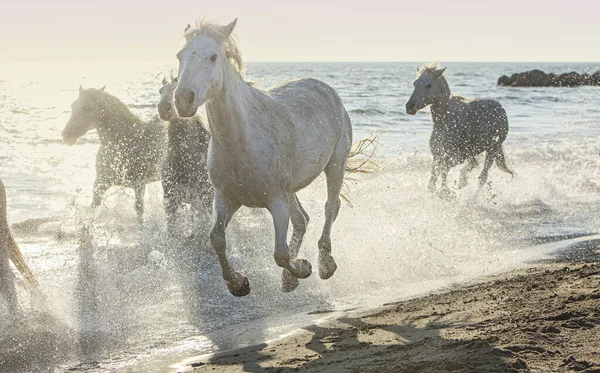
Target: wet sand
<point x="542" y="319"/>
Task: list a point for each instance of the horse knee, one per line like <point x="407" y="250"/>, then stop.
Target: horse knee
<point x="306" y="220"/>
<point x="139" y="208"/>
<point x="483" y="178"/>
<point x="217" y="239"/>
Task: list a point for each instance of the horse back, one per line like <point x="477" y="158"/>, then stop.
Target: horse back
<point x="135" y="158"/>
<point x="321" y="125"/>
<point x="471" y="128"/>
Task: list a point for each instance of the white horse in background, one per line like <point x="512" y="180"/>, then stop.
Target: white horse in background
<point x="461" y="129"/>
<point x="265" y="147"/>
<point x="131" y="152"/>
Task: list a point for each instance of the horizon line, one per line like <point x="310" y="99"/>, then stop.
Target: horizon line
<point x="300" y="61"/>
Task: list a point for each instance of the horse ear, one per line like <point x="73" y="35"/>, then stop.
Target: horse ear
<point x="80" y="88"/>
<point x="164" y="82"/>
<point x="229" y="28"/>
<point x="440" y="72"/>
<point x="187" y="28"/>
<point x="101" y="90"/>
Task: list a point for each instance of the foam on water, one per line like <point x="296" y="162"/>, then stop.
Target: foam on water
<point x="120" y="293"/>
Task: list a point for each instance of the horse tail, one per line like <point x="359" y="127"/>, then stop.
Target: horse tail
<point x="14" y="253"/>
<point x="501" y="163"/>
<point x="18" y="260"/>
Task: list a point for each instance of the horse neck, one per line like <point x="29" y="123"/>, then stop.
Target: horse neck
<point x="440" y="107"/>
<point x="117" y="123"/>
<point x="228" y="111"/>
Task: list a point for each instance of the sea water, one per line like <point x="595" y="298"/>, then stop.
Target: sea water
<point x="127" y="296"/>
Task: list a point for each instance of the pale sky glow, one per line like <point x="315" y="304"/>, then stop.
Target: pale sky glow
<point x="307" y="30"/>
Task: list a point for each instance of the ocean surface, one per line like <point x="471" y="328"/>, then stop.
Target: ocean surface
<point x="128" y="298"/>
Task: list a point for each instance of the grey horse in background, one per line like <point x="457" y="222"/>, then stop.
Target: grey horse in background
<point x="461" y="129"/>
<point x="185" y="176"/>
<point x="131" y="152"/>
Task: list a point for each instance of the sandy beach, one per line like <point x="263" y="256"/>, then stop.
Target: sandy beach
<point x="545" y="318"/>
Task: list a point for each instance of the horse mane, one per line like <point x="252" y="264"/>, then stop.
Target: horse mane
<point x="119" y="108"/>
<point x="429" y="67"/>
<point x="216" y="31"/>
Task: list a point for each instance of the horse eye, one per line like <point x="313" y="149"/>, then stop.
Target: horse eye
<point x="213" y="58"/>
<point x="428" y="86"/>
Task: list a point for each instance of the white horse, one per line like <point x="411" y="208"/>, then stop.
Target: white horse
<point x="461" y="129"/>
<point x="265" y="147"/>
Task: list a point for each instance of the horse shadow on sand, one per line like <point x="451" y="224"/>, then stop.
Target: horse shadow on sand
<point x="410" y="348"/>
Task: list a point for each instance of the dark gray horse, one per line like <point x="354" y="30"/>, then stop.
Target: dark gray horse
<point x="461" y="129"/>
<point x="131" y="152"/>
<point x="185" y="177"/>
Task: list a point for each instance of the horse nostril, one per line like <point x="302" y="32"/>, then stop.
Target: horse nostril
<point x="189" y="98"/>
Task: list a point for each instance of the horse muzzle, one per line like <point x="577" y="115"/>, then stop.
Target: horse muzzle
<point x="186" y="103"/>
<point x="69" y="140"/>
<point x="411" y="109"/>
<point x="165" y="110"/>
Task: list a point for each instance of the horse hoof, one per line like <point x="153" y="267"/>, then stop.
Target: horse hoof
<point x="327" y="266"/>
<point x="288" y="281"/>
<point x="300" y="268"/>
<point x="239" y="287"/>
<point x="447" y="195"/>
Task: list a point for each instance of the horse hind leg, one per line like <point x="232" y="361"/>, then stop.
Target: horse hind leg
<point x="334" y="173"/>
<point x="224" y="209"/>
<point x="501" y="163"/>
<point x="487" y="164"/>
<point x="472" y="164"/>
<point x="139" y="200"/>
<point x="300" y="220"/>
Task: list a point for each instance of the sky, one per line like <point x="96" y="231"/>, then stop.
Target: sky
<point x="305" y="30"/>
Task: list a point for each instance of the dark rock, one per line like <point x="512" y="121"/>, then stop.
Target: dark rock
<point x="538" y="78"/>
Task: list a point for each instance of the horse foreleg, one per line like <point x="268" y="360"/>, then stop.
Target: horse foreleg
<point x="224" y="209"/>
<point x="445" y="192"/>
<point x="487" y="164"/>
<point x="140" y="191"/>
<point x="471" y="164"/>
<point x="170" y="204"/>
<point x="100" y="188"/>
<point x="434" y="176"/>
<point x="280" y="211"/>
<point x="300" y="220"/>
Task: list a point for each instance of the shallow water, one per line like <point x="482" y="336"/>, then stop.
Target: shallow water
<point x="127" y="295"/>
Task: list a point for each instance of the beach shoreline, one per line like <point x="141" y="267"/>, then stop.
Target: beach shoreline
<point x="539" y="319"/>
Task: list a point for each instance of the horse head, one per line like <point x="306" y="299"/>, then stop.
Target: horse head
<point x="209" y="49"/>
<point x="165" y="105"/>
<point x="429" y="86"/>
<point x="86" y="114"/>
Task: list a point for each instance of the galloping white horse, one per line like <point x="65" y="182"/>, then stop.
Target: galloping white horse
<point x="265" y="147"/>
